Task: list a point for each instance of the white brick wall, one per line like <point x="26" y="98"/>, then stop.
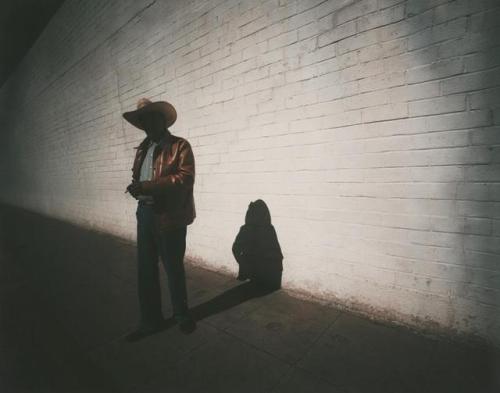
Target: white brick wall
<point x="370" y="128"/>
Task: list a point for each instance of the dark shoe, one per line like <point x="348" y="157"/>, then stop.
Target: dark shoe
<point x="144" y="331"/>
<point x="186" y="322"/>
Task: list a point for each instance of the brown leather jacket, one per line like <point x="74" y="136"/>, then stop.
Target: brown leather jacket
<point x="173" y="179"/>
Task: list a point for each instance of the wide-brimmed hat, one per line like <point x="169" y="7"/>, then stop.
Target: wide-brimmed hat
<point x="146" y="106"/>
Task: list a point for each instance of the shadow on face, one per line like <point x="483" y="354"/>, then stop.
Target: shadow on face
<point x="154" y="124"/>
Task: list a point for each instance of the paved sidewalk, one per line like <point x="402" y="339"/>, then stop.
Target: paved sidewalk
<point x="68" y="297"/>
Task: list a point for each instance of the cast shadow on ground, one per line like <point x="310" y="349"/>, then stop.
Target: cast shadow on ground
<point x="229" y="299"/>
<point x="257" y="251"/>
<point x="220" y="303"/>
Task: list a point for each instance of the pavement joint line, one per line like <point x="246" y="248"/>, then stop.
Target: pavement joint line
<point x="323" y="332"/>
<point x="282" y="381"/>
<point x="311" y="374"/>
<point x="296" y="365"/>
<point x="119" y="337"/>
<point x="249" y="344"/>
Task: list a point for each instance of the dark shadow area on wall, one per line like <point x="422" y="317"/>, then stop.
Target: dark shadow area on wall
<point x="256" y="248"/>
<point x="478" y="196"/>
<point x="21" y="23"/>
<point x="458" y="47"/>
<point x="9" y="108"/>
<point x="482" y="242"/>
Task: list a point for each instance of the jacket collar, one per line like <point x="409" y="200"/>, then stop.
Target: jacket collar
<point x="167" y="139"/>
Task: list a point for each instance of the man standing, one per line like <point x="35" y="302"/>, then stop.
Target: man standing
<point x="162" y="181"/>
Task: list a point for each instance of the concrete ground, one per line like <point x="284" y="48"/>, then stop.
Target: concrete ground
<point x="68" y="297"/>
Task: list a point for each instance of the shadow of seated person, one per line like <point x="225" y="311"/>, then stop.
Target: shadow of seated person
<point x="256" y="248"/>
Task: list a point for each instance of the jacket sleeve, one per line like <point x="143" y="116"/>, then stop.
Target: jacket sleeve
<point x="184" y="177"/>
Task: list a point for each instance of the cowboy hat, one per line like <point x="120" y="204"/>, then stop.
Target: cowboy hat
<point x="146" y="106"/>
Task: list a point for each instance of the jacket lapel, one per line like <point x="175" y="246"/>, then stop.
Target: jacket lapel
<point x="142" y="150"/>
<point x="163" y="145"/>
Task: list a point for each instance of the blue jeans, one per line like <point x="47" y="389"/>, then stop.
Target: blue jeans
<point x="170" y="245"/>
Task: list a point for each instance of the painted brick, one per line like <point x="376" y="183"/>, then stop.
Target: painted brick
<point x="454" y="103"/>
<point x="438" y="70"/>
<point x="471" y="82"/>
<point x="340" y="32"/>
<point x="370" y="128"/>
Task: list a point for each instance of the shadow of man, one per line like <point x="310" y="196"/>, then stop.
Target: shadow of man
<point x="256" y="248"/>
<point x="258" y="254"/>
<point x="229" y="299"/>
